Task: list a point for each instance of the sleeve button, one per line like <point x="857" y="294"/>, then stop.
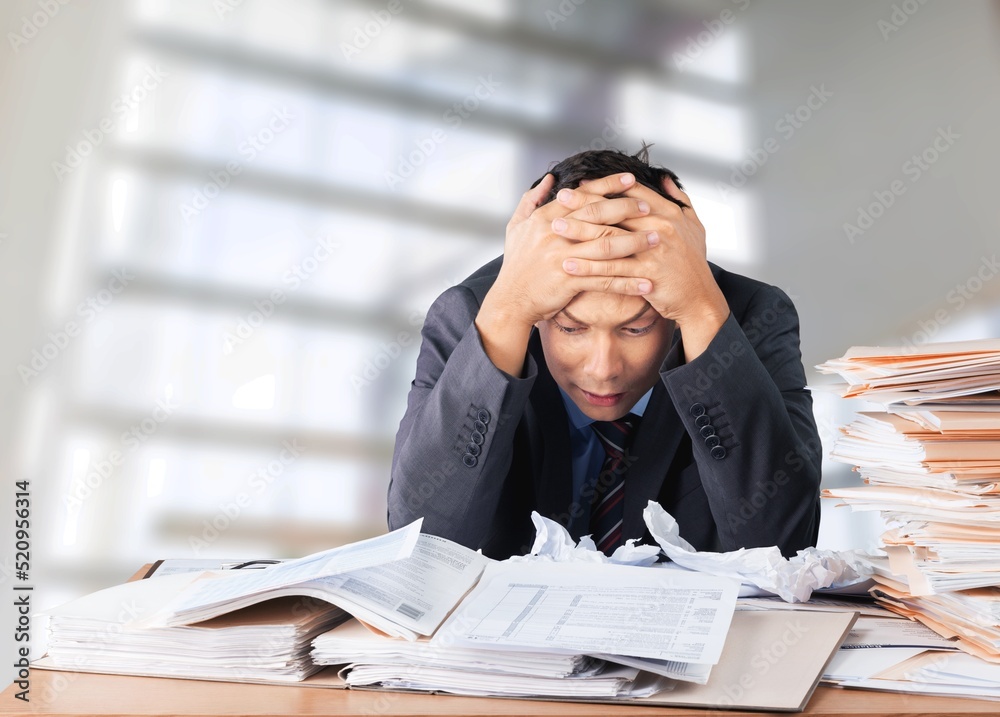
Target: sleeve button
<point x="707" y="431"/>
<point x="718" y="453"/>
<point x="478" y="438"/>
<point x="480" y="426"/>
<point x="697" y="410"/>
<point x="712" y="441"/>
<point x="473" y="450"/>
<point x="484" y="415"/>
<point x="702" y="420"/>
<point x="470" y="460"/>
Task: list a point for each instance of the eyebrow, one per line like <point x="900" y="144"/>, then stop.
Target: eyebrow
<point x="624" y="323"/>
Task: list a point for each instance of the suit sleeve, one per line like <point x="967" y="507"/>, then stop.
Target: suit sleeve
<point x="744" y="404"/>
<point x="454" y="446"/>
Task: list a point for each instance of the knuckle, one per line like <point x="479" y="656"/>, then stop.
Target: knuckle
<point x="608" y="283"/>
<point x="605" y="245"/>
<point x="592" y="211"/>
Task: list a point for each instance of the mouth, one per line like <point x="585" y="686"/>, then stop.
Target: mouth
<point x="602" y="399"/>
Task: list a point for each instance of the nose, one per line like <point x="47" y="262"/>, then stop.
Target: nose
<point x="604" y="361"/>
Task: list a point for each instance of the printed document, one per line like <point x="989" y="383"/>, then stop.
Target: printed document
<point x="597" y="608"/>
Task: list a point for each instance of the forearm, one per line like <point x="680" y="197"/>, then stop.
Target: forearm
<point x="504" y="336"/>
<point x="440" y="472"/>
<point x="700" y="326"/>
<point x="763" y="485"/>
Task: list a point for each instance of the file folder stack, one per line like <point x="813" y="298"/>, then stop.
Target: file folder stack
<point x="931" y="461"/>
<point x="372" y="659"/>
<point x="267" y="642"/>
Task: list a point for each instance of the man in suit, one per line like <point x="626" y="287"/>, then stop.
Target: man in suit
<point x="603" y="362"/>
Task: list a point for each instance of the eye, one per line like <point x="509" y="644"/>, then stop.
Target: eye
<point x="567" y="329"/>
<point x="633" y="331"/>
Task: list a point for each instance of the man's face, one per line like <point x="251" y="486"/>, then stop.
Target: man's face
<point x="605" y="351"/>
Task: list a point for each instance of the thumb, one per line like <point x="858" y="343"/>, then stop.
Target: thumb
<point x="532" y="198"/>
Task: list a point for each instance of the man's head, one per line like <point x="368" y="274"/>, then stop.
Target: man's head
<point x="605" y="350"/>
<point x="594" y="164"/>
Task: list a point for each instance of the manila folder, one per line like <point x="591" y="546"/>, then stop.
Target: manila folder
<point x="772" y="660"/>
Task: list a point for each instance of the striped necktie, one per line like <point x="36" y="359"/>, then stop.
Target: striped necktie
<point x="608" y="505"/>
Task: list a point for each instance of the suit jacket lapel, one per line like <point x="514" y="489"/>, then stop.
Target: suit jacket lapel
<point x="653" y="450"/>
<point x="551" y="456"/>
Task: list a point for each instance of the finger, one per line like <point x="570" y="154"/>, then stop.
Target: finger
<point x="630" y="286"/>
<point x="597" y="210"/>
<point x="611" y="184"/>
<point x="532" y="198"/>
<point x="579" y="230"/>
<point x="615" y="247"/>
<point x="660" y="204"/>
<point x="606" y="268"/>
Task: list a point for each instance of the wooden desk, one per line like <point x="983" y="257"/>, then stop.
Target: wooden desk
<point x="72" y="694"/>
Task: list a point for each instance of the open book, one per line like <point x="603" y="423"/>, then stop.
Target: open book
<point x="403" y="583"/>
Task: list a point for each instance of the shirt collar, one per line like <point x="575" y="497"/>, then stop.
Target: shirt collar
<point x="579" y="420"/>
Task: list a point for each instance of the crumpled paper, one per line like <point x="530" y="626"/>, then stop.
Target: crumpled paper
<point x="553" y="542"/>
<point x="792" y="579"/>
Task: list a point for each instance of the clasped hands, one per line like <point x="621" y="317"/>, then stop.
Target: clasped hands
<point x="638" y="244"/>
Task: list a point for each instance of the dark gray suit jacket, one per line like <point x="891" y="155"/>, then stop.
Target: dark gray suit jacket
<point x="478" y="450"/>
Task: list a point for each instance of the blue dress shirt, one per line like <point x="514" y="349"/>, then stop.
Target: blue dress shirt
<point x="588" y="457"/>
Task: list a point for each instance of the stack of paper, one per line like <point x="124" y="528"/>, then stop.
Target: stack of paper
<point x="435" y="616"/>
<point x="563" y="629"/>
<point x="267" y="642"/>
<point x="931" y="459"/>
<point x="372" y="659"/>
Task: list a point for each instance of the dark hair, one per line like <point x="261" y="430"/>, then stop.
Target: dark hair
<point x="597" y="163"/>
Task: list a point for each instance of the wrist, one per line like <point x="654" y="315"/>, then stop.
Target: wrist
<point x="708" y="314"/>
<point x="700" y="327"/>
<point x="498" y="313"/>
<point x="504" y="335"/>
